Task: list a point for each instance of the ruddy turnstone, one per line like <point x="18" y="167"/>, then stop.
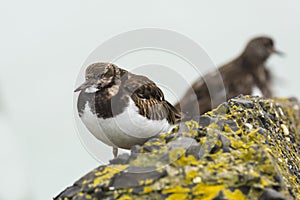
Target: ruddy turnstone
<point x="122" y="109"/>
<point x="246" y="74"/>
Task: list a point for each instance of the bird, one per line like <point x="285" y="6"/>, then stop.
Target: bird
<point x="123" y="109"/>
<point x="247" y="74"/>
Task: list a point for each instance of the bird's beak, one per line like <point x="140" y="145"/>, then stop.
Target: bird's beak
<point x="83" y="86"/>
<point x="275" y="51"/>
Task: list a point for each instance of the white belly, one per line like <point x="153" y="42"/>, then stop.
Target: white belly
<point x="124" y="130"/>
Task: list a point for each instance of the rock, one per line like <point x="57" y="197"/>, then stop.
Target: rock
<point x="270" y="194"/>
<point x="121" y="159"/>
<point x="247" y="148"/>
<point x="182" y="142"/>
<point x="136" y="177"/>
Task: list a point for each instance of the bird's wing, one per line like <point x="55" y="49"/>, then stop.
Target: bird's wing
<point x="215" y="88"/>
<point x="150" y="99"/>
<point x="206" y="93"/>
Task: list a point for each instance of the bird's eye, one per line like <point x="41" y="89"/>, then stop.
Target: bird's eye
<point x="269" y="43"/>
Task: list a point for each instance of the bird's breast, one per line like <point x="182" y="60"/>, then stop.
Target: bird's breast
<point x="125" y="129"/>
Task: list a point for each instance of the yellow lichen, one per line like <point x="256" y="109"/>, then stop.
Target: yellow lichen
<point x="235" y="195"/>
<point x="177" y="197"/>
<point x="147" y="189"/>
<point x="125" y="197"/>
<point x="176" y="189"/>
<point x="207" y="191"/>
<point x="104" y="176"/>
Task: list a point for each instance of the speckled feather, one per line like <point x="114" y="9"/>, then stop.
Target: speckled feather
<point x="115" y="104"/>
<point x="146" y="95"/>
<point x="150" y="99"/>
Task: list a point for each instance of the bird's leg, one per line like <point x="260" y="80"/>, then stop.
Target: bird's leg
<point x="115" y="151"/>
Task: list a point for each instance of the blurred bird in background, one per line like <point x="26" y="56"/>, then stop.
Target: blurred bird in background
<point x="246" y="74"/>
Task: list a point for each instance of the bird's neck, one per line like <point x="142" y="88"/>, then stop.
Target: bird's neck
<point x="250" y="63"/>
<point x="102" y="104"/>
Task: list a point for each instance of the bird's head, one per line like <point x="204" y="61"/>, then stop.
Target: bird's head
<point x="99" y="76"/>
<point x="259" y="49"/>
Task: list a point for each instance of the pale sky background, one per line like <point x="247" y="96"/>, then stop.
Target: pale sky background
<point x="45" y="43"/>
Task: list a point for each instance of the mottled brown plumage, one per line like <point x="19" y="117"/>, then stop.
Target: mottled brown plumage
<point x="150" y="99"/>
<point x="108" y="91"/>
<point x="114" y="84"/>
<point x="239" y="76"/>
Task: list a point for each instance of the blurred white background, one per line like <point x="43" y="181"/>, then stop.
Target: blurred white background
<point x="43" y="45"/>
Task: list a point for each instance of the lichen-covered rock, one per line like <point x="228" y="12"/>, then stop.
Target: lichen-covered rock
<point x="247" y="148"/>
